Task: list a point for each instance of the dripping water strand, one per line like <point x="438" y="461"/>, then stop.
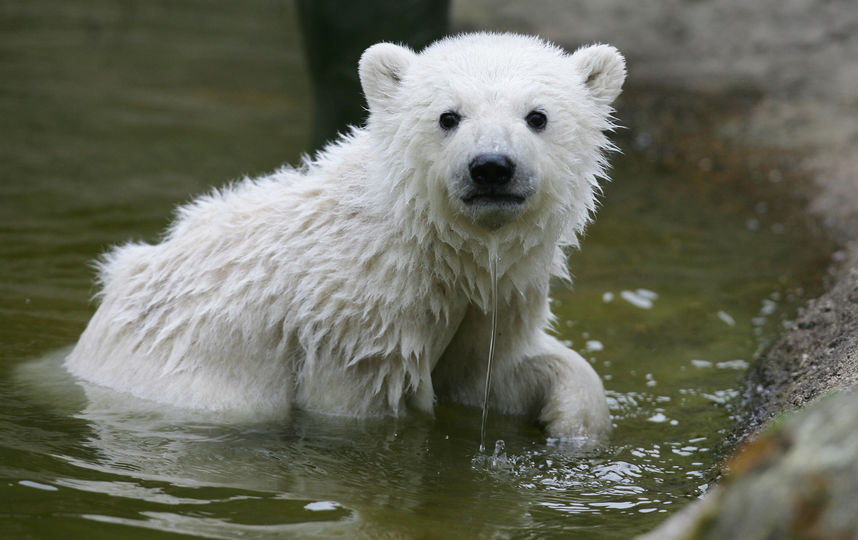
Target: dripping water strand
<point x="493" y="275"/>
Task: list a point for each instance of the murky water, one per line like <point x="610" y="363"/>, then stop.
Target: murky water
<point x="113" y="112"/>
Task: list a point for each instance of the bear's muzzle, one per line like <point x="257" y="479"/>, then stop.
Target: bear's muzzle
<point x="492" y="182"/>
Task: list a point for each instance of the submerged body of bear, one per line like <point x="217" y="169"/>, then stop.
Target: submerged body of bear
<point x="359" y="285"/>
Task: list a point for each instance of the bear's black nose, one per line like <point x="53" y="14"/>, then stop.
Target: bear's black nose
<point x="491" y="169"/>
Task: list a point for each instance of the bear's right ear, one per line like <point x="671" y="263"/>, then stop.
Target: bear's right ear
<point x="381" y="68"/>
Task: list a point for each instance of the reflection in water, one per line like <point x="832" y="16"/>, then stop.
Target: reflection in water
<point x="199" y="473"/>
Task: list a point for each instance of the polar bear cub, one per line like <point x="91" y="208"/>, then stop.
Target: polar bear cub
<point x="359" y="284"/>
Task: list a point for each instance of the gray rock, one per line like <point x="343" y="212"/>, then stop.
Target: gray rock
<point x="817" y="353"/>
<point x="797" y="479"/>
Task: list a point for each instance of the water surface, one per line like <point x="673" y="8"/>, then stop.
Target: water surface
<point x="114" y="112"/>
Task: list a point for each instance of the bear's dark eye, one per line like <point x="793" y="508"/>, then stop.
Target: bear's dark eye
<point x="536" y="120"/>
<point x="449" y="120"/>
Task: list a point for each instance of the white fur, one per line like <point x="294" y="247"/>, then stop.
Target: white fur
<point x="359" y="284"/>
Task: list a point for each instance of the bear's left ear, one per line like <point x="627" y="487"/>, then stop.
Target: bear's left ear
<point x="603" y="70"/>
<point x="381" y="68"/>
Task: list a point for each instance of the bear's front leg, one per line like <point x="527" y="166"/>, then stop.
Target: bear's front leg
<point x="573" y="398"/>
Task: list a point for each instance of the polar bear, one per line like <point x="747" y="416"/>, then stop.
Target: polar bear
<point x="359" y="284"/>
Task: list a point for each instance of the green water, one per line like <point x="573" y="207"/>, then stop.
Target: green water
<point x="111" y="113"/>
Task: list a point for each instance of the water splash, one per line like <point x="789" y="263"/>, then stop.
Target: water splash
<point x="493" y="275"/>
<point x="499" y="462"/>
<point x="499" y="456"/>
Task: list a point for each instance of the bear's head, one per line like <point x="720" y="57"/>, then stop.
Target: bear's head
<point x="493" y="129"/>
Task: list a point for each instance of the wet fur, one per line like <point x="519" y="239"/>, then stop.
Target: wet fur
<point x="358" y="284"/>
